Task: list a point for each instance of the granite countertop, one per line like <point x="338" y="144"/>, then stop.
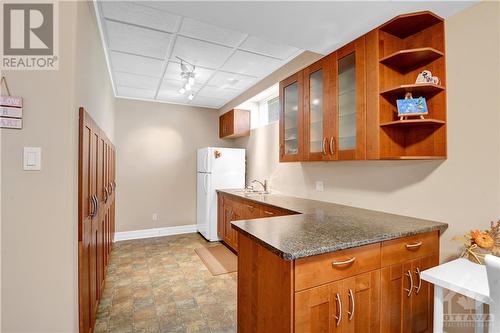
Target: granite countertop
<point x="322" y="227"/>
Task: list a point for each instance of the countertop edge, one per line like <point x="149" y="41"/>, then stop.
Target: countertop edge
<point x="339" y="246"/>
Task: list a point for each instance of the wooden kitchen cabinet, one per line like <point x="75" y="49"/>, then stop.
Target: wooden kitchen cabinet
<point x="234" y="124"/>
<point x="407" y="298"/>
<point x="344" y="106"/>
<point x="349" y="140"/>
<point x="291" y="118"/>
<point x="319" y="110"/>
<point x="349" y="305"/>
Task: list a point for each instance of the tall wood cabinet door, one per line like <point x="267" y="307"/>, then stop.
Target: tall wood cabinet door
<point x="228" y="215"/>
<point x="396" y="299"/>
<point x="361" y="300"/>
<point x="349" y="143"/>
<point x="318" y="110"/>
<point x="220" y="215"/>
<point x="94" y="276"/>
<point x="317" y="309"/>
<point x="423" y="296"/>
<point x="291" y="118"/>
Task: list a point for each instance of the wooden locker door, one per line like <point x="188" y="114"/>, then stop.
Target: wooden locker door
<point x="94" y="229"/>
<point x="361" y="300"/>
<point x="86" y="208"/>
<point x="396" y="303"/>
<point x="101" y="213"/>
<point x="423" y="296"/>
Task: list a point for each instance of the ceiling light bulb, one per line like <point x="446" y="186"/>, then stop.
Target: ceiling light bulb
<point x="315" y="101"/>
<point x="187" y="86"/>
<point x="182" y="91"/>
<point x="191" y="80"/>
<point x="191" y="96"/>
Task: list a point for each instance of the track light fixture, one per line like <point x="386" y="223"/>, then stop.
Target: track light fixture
<point x="188" y="76"/>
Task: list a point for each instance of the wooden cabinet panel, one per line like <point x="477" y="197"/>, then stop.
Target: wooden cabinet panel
<point x="234" y="124"/>
<point x="291" y="118"/>
<point x="403" y="249"/>
<point x="95" y="216"/>
<point x="407" y="298"/>
<point x="316" y="270"/>
<point x="348" y="306"/>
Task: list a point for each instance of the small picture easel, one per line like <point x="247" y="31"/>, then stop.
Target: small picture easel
<point x="410" y="107"/>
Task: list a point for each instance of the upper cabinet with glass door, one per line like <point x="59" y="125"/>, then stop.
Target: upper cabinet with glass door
<point x="291" y="118"/>
<point x="318" y="110"/>
<point x="349" y="142"/>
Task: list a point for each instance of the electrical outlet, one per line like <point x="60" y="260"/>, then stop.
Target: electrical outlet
<point x="155" y="217"/>
<point x="320" y="187"/>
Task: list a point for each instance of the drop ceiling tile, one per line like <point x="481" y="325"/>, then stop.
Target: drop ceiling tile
<point x="136" y="81"/>
<point x="141" y="15"/>
<point x="135" y="64"/>
<point x="272" y="49"/>
<point x="174" y="73"/>
<point x="209" y="32"/>
<point x="200" y="53"/>
<point x="219" y="92"/>
<point x="141" y="41"/>
<point x="135" y="93"/>
<point x="210" y="102"/>
<point x="251" y="64"/>
<point x="232" y="80"/>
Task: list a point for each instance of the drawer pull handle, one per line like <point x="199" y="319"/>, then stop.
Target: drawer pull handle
<point x="323" y="145"/>
<point x="351" y="299"/>
<point x="250" y="206"/>
<point x="410" y="289"/>
<point x="268" y="212"/>
<point x="417" y="288"/>
<point x="332" y="143"/>
<point x="339" y="309"/>
<point x="345" y="262"/>
<point x="414" y="245"/>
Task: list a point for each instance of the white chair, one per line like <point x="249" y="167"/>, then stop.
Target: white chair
<point x="493" y="272"/>
<point x="481" y="283"/>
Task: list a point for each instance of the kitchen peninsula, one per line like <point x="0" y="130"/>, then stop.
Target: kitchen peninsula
<point x="312" y="266"/>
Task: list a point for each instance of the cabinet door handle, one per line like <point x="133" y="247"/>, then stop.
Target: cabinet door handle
<point x="92" y="206"/>
<point x="414" y="245"/>
<point x="268" y="212"/>
<point x="345" y="262"/>
<point x="324" y="146"/>
<point x="96" y="205"/>
<point x="351" y="305"/>
<point x="338" y="316"/>
<point x="410" y="289"/>
<point x="105" y="194"/>
<point x="332" y="144"/>
<point x="417" y="288"/>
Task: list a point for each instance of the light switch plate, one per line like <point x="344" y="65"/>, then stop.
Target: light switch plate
<point x="320" y="187"/>
<point x="32" y="158"/>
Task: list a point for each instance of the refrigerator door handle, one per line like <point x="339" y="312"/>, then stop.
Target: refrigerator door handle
<point x="205" y="183"/>
<point x="206" y="162"/>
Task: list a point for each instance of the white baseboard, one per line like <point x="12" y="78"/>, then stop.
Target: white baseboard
<point x="156" y="232"/>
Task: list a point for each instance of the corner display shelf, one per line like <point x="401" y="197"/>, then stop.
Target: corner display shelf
<point x="406" y="60"/>
<point x="401" y="49"/>
<point x="423" y="89"/>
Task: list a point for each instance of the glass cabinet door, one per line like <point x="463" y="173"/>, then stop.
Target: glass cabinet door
<point x="351" y="105"/>
<point x="347" y="102"/>
<point x="316" y="111"/>
<point x="291" y="118"/>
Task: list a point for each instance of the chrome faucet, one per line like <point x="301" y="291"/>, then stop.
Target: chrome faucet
<point x="264" y="185"/>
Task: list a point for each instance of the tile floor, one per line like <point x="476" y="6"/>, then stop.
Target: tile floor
<point x="161" y="285"/>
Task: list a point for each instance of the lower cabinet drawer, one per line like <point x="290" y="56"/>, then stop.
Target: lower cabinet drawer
<point x="324" y="268"/>
<point x="269" y="211"/>
<point x="402" y="249"/>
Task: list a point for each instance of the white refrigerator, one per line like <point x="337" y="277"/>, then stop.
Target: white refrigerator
<point x="218" y="168"/>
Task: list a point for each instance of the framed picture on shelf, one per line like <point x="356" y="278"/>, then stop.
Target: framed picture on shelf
<point x="412" y="107"/>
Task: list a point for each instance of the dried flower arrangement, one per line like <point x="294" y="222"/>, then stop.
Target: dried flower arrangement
<point x="479" y="243"/>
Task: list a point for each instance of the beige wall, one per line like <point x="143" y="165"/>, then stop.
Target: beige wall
<point x="156" y="162"/>
<point x="463" y="190"/>
<point x="39" y="208"/>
